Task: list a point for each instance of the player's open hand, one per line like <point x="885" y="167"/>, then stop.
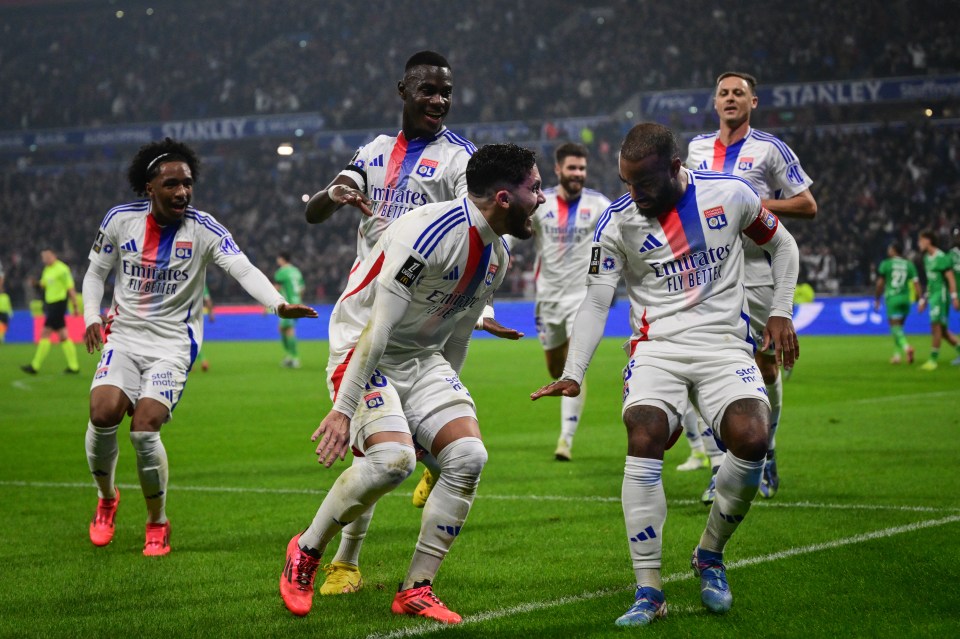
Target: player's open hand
<point x="559" y="388"/>
<point x="93" y="338"/>
<point x="497" y="329"/>
<point x="780" y="331"/>
<point x="334" y="436"/>
<point x="343" y="194"/>
<point x="295" y="311"/>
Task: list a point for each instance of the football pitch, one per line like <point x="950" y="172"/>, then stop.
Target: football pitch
<point x="863" y="539"/>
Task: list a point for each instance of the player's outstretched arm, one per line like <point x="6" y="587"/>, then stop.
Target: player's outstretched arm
<point x="801" y="206"/>
<point x="341" y="191"/>
<point x="295" y="311"/>
<point x="559" y="388"/>
<point x="334" y="436"/>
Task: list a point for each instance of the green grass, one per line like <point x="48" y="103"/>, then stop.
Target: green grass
<point x="865" y="447"/>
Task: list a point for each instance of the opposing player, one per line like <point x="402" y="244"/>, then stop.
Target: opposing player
<point x="895" y="277"/>
<point x="289" y="281"/>
<point x="399" y="337"/>
<point x="774" y="171"/>
<point x="424" y="163"/>
<point x="691" y="339"/>
<point x="159" y="248"/>
<point x="941" y="293"/>
<point x="562" y="232"/>
<point x="58" y="288"/>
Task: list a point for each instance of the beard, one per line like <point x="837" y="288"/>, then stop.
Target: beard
<point x="572" y="185"/>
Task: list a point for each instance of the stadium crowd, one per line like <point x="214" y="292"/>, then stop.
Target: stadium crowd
<point x="873" y="183"/>
<point x="59" y="66"/>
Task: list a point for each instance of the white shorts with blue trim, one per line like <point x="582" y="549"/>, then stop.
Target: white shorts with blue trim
<point x="140" y="376"/>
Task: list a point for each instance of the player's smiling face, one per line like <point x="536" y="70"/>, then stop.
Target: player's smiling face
<point x="653" y="182"/>
<point x="427" y="93"/>
<point x="734" y="101"/>
<point x="170" y="192"/>
<point x="572" y="173"/>
<point x="523" y="201"/>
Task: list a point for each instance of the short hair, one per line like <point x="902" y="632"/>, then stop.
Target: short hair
<point x="746" y="77"/>
<point x="931" y="236"/>
<point x="649" y="138"/>
<point x="570" y="148"/>
<point x="896" y="247"/>
<point x="284" y="255"/>
<point x="427" y="58"/>
<point x="147" y="162"/>
<point x="494" y="165"/>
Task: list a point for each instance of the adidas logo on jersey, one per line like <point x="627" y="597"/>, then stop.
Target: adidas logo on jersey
<point x="130" y="246"/>
<point x="377" y="161"/>
<point x="650" y="243"/>
<point x="453" y="275"/>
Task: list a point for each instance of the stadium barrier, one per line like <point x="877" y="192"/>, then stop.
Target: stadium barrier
<point x="826" y="316"/>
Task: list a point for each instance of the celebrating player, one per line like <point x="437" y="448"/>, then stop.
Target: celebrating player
<point x="424" y="163"/>
<point x="895" y="277"/>
<point x="562" y="232"/>
<point x="690" y="338"/>
<point x="774" y="171"/>
<point x="289" y="281"/>
<point x="399" y="336"/>
<point x="160" y="248"/>
<point x="57" y="284"/>
<point x="941" y="293"/>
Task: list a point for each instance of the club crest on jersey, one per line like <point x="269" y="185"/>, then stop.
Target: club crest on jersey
<point x="373" y="400"/>
<point x="427" y="168"/>
<point x="409" y="272"/>
<point x="491" y="273"/>
<point x="594" y="261"/>
<point x="769" y="219"/>
<point x="229" y="247"/>
<point x="584" y="214"/>
<point x="716" y="218"/>
<point x="744" y="164"/>
<point x="183" y="250"/>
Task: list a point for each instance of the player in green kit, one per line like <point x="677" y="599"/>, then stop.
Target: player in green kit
<point x="895" y="276"/>
<point x="58" y="287"/>
<point x="941" y="294"/>
<point x="289" y="281"/>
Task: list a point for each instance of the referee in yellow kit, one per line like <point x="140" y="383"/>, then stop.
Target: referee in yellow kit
<point x="58" y="287"/>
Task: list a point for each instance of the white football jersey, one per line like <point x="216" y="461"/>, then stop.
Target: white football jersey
<point x="563" y="233"/>
<point x="684" y="270"/>
<point x="160" y="271"/>
<point x="767" y="164"/>
<point x="444" y="258"/>
<point x="399" y="175"/>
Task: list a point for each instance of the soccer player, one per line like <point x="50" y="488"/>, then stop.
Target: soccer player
<point x="6" y="309"/>
<point x="691" y="339"/>
<point x="58" y="287"/>
<point x="940" y="283"/>
<point x="159" y="248"/>
<point x="895" y="276"/>
<point x="562" y="233"/>
<point x="399" y="337"/>
<point x="289" y="281"/>
<point x="422" y="164"/>
<point x="774" y="171"/>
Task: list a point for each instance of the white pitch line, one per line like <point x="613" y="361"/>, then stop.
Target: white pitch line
<point x="414" y="631"/>
<point x="898" y="398"/>
<point x="565" y="498"/>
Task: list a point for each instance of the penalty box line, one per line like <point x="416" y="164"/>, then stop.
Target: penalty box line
<point x="481" y="496"/>
<point x="533" y="606"/>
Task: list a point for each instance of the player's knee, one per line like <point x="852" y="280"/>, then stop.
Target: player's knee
<point x="745" y="429"/>
<point x="648" y="429"/>
<point x="105" y="416"/>
<point x="462" y="460"/>
<point x="393" y="462"/>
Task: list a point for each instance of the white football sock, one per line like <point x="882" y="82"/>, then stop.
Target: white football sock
<point x="153" y="472"/>
<point x="570" y="410"/>
<point x="737" y="483"/>
<point x="691" y="428"/>
<point x="351" y="539"/>
<point x="357" y="488"/>
<point x="775" y="394"/>
<point x="461" y="462"/>
<point x="102" y="453"/>
<point x="644" y="512"/>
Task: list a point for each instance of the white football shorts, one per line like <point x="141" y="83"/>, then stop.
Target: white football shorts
<point x="555" y="321"/>
<point x="140" y="376"/>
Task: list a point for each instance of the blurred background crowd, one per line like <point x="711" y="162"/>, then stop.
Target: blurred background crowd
<point x="546" y="70"/>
